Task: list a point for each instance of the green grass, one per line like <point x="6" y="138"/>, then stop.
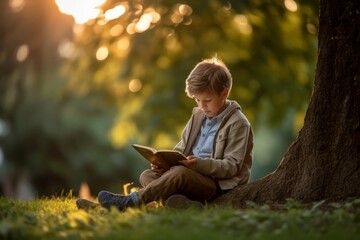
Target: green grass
<point x="58" y="218"/>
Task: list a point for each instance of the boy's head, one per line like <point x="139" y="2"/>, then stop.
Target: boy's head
<point x="208" y="76"/>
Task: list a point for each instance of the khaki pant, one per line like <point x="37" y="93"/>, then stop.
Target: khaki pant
<point x="159" y="186"/>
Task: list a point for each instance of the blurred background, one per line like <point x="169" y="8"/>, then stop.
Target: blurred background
<point x="80" y="81"/>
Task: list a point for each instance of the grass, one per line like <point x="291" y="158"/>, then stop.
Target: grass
<point x="58" y="218"/>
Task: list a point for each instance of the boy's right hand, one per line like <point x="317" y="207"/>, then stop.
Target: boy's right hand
<point x="157" y="168"/>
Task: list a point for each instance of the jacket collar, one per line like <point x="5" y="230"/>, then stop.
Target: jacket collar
<point x="197" y="119"/>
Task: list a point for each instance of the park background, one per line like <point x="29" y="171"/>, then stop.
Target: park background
<point x="79" y="83"/>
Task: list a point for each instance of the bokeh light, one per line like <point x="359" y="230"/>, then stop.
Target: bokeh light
<point x="291" y="5"/>
<point x="311" y="28"/>
<point x="242" y="24"/>
<point x="22" y="53"/>
<point x="115" y="12"/>
<point x="123" y="44"/>
<point x="82" y="11"/>
<point x="155" y="16"/>
<point x="131" y="28"/>
<point x="67" y="49"/>
<point x="116" y="30"/>
<point x="16" y="5"/>
<point x="135" y="85"/>
<point x="78" y="28"/>
<point x="185" y="10"/>
<point x="144" y="23"/>
<point x="102" y="53"/>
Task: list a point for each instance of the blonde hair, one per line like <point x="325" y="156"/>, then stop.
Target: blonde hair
<point x="209" y="75"/>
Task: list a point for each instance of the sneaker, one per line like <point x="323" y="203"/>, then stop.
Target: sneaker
<point x="120" y="201"/>
<point x="85" y="204"/>
<point x="182" y="202"/>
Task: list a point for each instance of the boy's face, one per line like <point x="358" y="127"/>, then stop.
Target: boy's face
<point x="211" y="103"/>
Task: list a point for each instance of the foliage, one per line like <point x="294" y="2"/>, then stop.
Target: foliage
<point x="70" y="133"/>
<point x="72" y="123"/>
<point x="58" y="218"/>
<point x="270" y="51"/>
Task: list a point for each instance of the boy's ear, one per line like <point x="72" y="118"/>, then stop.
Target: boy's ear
<point x="225" y="93"/>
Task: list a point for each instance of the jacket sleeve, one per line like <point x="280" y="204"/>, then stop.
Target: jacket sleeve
<point x="229" y="151"/>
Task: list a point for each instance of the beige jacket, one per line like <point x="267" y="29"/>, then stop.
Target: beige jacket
<point x="231" y="159"/>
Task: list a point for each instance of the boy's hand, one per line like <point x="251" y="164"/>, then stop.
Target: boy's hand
<point x="157" y="168"/>
<point x="190" y="162"/>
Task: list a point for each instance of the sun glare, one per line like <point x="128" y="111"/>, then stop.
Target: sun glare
<point x="16" y="5"/>
<point x="102" y="53"/>
<point x="144" y="23"/>
<point x="291" y="5"/>
<point x="115" y="12"/>
<point x="82" y="11"/>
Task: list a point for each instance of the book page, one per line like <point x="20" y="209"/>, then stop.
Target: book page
<point x="162" y="158"/>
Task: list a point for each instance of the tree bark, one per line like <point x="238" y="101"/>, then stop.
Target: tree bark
<point x="324" y="161"/>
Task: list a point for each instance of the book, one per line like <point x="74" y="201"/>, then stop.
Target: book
<point x="162" y="158"/>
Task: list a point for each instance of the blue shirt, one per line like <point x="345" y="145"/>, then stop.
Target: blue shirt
<point x="205" y="139"/>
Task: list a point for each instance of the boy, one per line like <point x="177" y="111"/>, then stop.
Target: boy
<point x="217" y="140"/>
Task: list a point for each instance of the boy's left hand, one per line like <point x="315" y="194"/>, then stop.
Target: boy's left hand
<point x="190" y="162"/>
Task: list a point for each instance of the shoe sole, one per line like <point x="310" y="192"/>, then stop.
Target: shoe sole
<point x="181" y="202"/>
<point x="85" y="204"/>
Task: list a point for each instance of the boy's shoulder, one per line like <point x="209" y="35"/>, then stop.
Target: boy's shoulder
<point x="237" y="114"/>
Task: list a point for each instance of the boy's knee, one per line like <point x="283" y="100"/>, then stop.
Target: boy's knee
<point x="146" y="172"/>
<point x="180" y="170"/>
<point x="146" y="177"/>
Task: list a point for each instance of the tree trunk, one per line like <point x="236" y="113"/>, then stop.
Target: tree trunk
<point x="324" y="161"/>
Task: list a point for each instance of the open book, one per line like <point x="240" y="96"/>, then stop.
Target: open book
<point x="162" y="158"/>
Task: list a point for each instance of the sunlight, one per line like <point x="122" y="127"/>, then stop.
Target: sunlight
<point x="115" y="12"/>
<point x="16" y="5"/>
<point x="85" y="192"/>
<point x="123" y="44"/>
<point x="78" y="28"/>
<point x="144" y="23"/>
<point x="135" y="85"/>
<point x="82" y="11"/>
<point x="121" y="132"/>
<point x="311" y="28"/>
<point x="149" y="17"/>
<point x="67" y="49"/>
<point x="155" y="16"/>
<point x="76" y="219"/>
<point x="163" y="140"/>
<point x="131" y="28"/>
<point x="116" y="30"/>
<point x="176" y="18"/>
<point x="185" y="10"/>
<point x="102" y="53"/>
<point x="22" y="53"/>
<point x="291" y="5"/>
<point x="179" y="11"/>
<point x="242" y="24"/>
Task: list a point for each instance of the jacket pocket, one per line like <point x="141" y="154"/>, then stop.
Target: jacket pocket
<point x="220" y="145"/>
